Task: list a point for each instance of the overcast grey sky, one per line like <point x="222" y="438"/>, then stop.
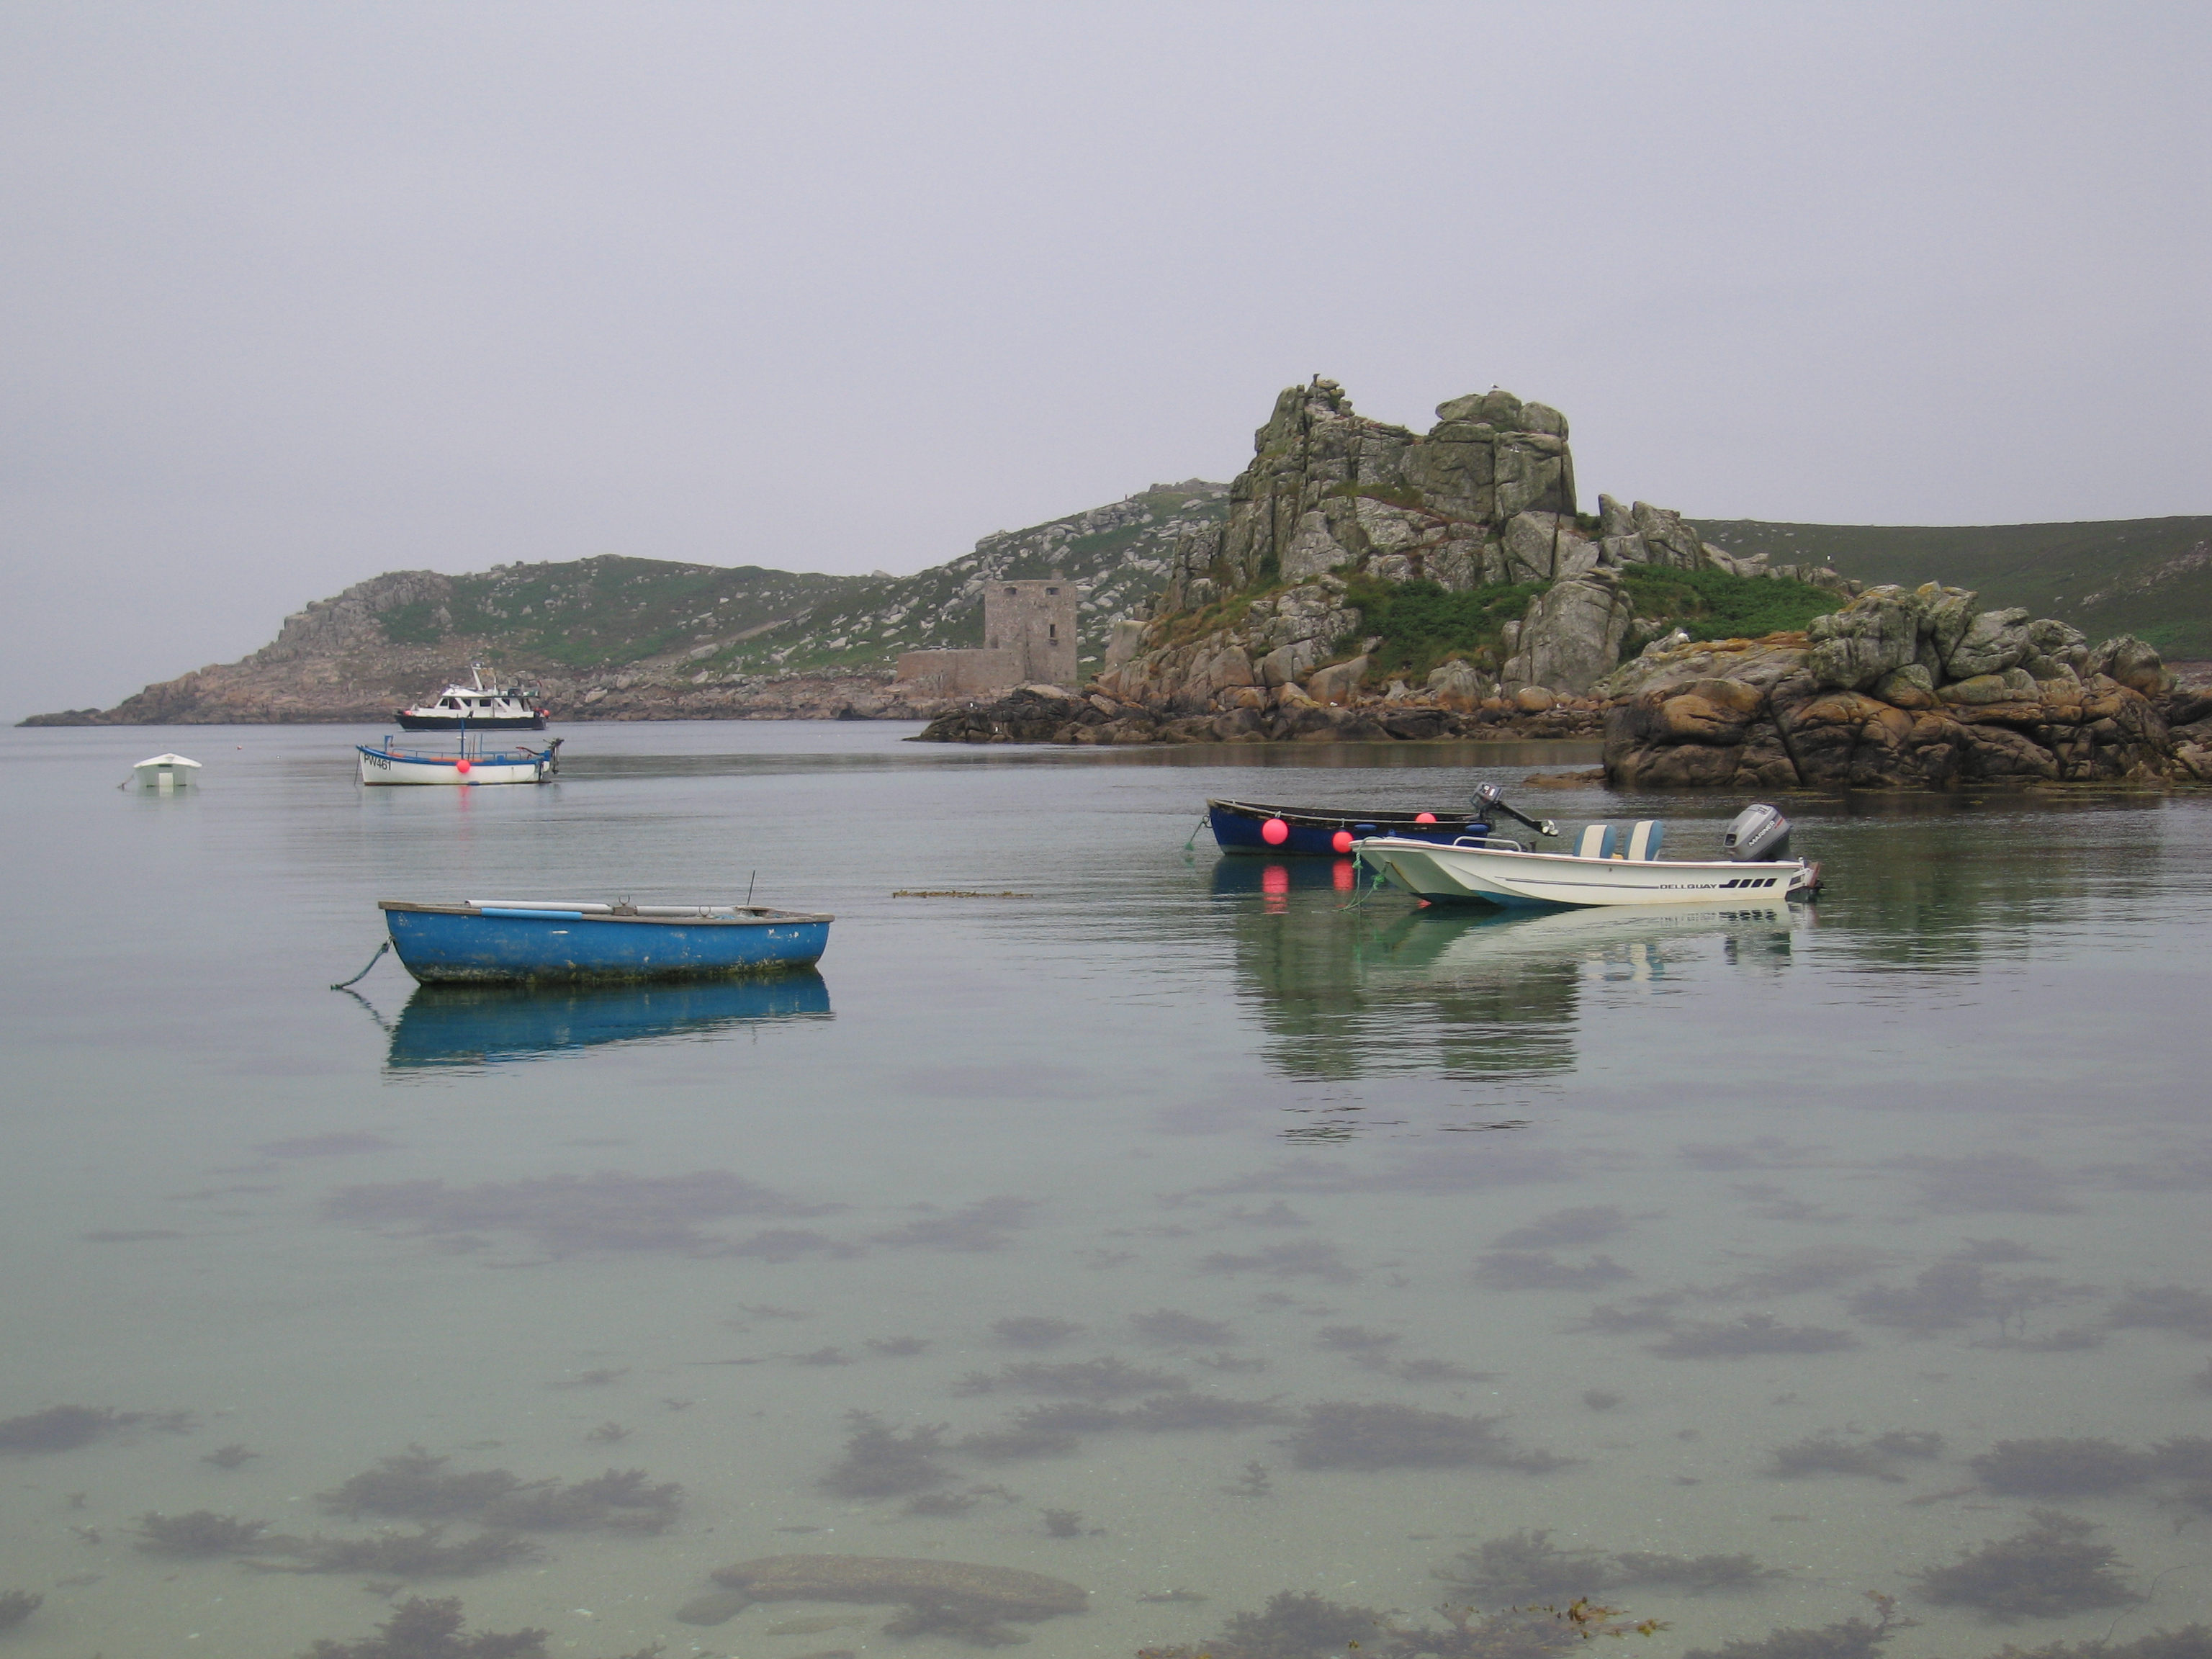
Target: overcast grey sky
<point x="291" y="294"/>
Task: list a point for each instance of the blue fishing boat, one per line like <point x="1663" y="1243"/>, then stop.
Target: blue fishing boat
<point x="529" y="941"/>
<point x="1247" y="827"/>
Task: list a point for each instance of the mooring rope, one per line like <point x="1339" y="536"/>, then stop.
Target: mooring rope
<point x="1195" y="828"/>
<point x="363" y="973"/>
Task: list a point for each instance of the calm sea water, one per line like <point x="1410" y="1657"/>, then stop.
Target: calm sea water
<point x="1946" y="1132"/>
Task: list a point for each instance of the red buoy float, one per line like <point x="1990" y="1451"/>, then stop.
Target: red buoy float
<point x="1424" y="818"/>
<point x="1341" y="841"/>
<point x="462" y="766"/>
<point x="1275" y="832"/>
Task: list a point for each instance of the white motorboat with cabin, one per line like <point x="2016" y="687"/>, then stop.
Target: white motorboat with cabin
<point x="476" y="708"/>
<point x="1605" y="867"/>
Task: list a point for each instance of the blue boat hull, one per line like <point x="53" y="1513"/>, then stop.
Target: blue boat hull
<point x="1240" y="826"/>
<point x="454" y="946"/>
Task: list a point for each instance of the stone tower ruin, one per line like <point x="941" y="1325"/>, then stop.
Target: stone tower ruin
<point x="1029" y="639"/>
<point x="1035" y="623"/>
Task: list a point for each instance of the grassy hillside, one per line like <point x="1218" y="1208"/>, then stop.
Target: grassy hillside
<point x="2149" y="577"/>
<point x="609" y="613"/>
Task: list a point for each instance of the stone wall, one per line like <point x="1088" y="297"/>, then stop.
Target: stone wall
<point x="958" y="673"/>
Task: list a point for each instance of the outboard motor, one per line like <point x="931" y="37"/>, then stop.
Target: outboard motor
<point x="1488" y="798"/>
<point x="1760" y="835"/>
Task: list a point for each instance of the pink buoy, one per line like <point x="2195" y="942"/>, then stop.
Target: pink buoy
<point x="1275" y="832"/>
<point x="1341" y="841"/>
<point x="462" y="767"/>
<point x="1424" y="818"/>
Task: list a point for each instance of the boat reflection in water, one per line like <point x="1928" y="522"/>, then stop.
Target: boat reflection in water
<point x="448" y="1025"/>
<point x="1347" y="982"/>
<point x="1619" y="941"/>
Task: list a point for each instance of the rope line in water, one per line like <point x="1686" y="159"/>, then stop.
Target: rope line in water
<point x="363" y="973"/>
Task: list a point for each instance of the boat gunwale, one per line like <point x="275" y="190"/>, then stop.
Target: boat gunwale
<point x="757" y="916"/>
<point x="1315" y="817"/>
<point x="1412" y="844"/>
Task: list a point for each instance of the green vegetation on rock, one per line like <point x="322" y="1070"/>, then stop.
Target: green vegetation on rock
<point x="1712" y="604"/>
<point x="2149" y="577"/>
<point x="1422" y="624"/>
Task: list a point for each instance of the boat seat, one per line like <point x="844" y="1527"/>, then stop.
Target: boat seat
<point x="1595" y="841"/>
<point x="1643" y="838"/>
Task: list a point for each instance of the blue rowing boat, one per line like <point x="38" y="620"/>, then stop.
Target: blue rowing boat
<point x="527" y="941"/>
<point x="1242" y="826"/>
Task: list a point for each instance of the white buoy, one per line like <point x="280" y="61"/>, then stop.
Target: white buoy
<point x="164" y="773"/>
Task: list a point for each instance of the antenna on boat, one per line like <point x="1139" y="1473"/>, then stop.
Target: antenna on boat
<point x="749" y="876"/>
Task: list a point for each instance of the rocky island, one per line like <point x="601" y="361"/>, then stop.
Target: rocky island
<point x="1372" y="584"/>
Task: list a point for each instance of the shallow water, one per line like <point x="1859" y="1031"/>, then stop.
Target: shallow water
<point x="1240" y="1089"/>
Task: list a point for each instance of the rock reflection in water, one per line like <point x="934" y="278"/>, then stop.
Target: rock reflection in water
<point x="494" y="1024"/>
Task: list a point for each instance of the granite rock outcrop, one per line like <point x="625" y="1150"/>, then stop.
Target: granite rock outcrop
<point x="1903" y="689"/>
<point x="1486" y="497"/>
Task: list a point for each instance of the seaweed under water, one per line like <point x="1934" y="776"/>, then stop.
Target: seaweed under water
<point x="1304" y="1258"/>
<point x="423" y="1553"/>
<point x="1525" y="1566"/>
<point x="202" y="1532"/>
<point x="1825" y="1454"/>
<point x="1817" y="1267"/>
<point x="883" y="1462"/>
<point x="16" y="1606"/>
<point x="415" y="1484"/>
<point x="421" y="1629"/>
<point x="1952" y="1294"/>
<point x="1540" y="1270"/>
<point x="1179" y="1412"/>
<point x="2162" y="1308"/>
<point x="1695" y="1575"/>
<point x="1992" y="1183"/>
<point x="1169" y="1328"/>
<point x="959" y="1623"/>
<point x="2190" y="1641"/>
<point x="2047" y="1571"/>
<point x="1851" y="1639"/>
<point x="567" y="1214"/>
<point x="1104" y="1378"/>
<point x="1567" y="1228"/>
<point x="1753" y="1334"/>
<point x="65" y="1428"/>
<point x="983" y="1226"/>
<point x="1302" y="1625"/>
<point x="1357" y="1435"/>
<point x="1035" y="1331"/>
<point x="2060" y="1468"/>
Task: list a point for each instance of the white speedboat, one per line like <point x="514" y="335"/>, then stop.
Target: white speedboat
<point x="1604" y="868"/>
<point x="476" y="708"/>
